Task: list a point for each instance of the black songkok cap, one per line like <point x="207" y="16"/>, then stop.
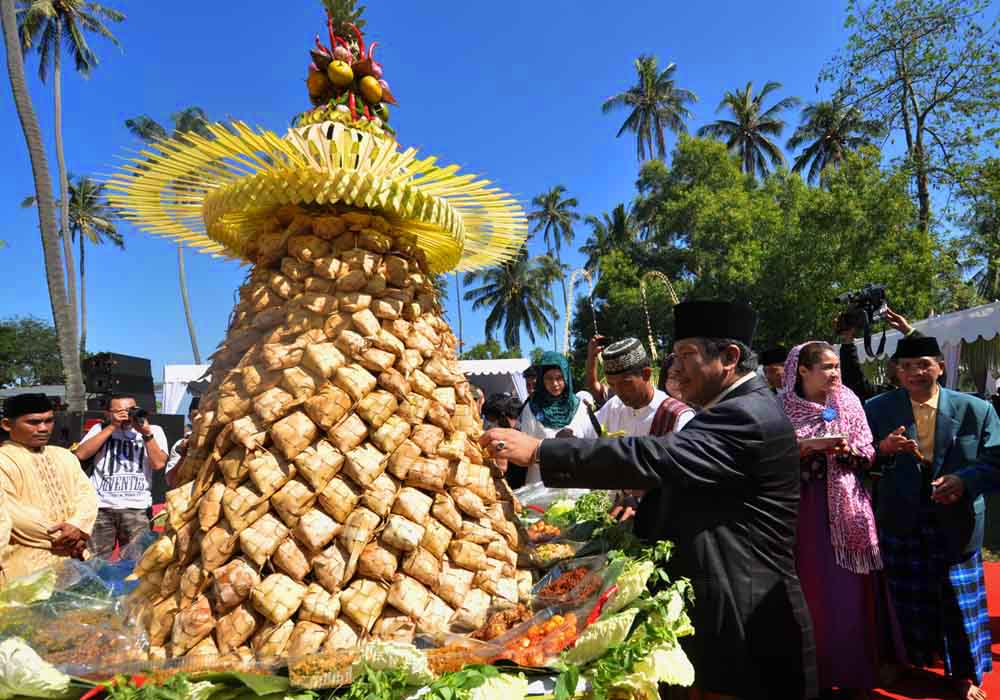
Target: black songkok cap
<point x="921" y="346"/>
<point x="23" y="404"/>
<point x="714" y="319"/>
<point x="774" y="356"/>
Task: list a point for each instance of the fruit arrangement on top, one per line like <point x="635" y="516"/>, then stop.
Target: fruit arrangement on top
<point x="345" y="81"/>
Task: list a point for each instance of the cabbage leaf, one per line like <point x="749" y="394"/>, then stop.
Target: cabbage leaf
<point x="24" y="672"/>
<point x="395" y="656"/>
<point x="506" y="686"/>
<point x="631" y="585"/>
<point x="29" y="589"/>
<point x="664" y="664"/>
<point x="596" y="639"/>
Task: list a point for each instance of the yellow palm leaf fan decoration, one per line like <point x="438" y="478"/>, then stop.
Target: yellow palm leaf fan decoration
<point x="219" y="194"/>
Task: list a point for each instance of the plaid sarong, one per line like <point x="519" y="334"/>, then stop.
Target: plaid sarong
<point x="940" y="601"/>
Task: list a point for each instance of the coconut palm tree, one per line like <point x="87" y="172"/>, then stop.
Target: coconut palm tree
<point x="518" y="296"/>
<point x="553" y="216"/>
<point x="829" y="129"/>
<point x="748" y="133"/>
<point x="191" y="120"/>
<point x="62" y="312"/>
<point x="614" y="231"/>
<point x="92" y="220"/>
<point x="656" y="106"/>
<point x="49" y="26"/>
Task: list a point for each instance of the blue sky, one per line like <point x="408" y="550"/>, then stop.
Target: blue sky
<point x="510" y="90"/>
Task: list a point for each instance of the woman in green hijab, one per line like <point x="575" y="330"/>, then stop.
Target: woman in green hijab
<point x="553" y="407"/>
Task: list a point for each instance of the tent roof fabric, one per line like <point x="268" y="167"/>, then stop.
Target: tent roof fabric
<point x="950" y="329"/>
<point x="514" y="366"/>
<point x="183" y="373"/>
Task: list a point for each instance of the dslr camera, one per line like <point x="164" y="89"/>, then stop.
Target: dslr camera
<point x="137" y="415"/>
<point x="865" y="307"/>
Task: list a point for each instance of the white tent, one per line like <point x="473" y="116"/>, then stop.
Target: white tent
<point x="176" y="379"/>
<point x="497" y="376"/>
<point x="492" y="376"/>
<point x="964" y="339"/>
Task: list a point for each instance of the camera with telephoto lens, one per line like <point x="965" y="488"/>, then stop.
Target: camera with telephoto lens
<point x="865" y="308"/>
<point x="136" y="415"/>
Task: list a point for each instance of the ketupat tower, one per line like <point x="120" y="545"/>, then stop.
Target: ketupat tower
<point x="333" y="487"/>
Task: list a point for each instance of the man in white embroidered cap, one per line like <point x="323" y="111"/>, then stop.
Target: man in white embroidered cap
<point x="636" y="399"/>
<point x="733" y="476"/>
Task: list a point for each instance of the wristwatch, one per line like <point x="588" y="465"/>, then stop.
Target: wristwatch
<point x="146" y="438"/>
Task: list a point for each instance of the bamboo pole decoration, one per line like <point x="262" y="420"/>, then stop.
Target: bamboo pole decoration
<point x="582" y="272"/>
<point x="645" y="305"/>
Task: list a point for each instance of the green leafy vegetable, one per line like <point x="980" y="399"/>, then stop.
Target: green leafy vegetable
<point x="260" y="684"/>
<point x="558" y="513"/>
<point x="24" y="672"/>
<point x="567" y="682"/>
<point x="593" y="507"/>
<point x="384" y="656"/>
<point x="631" y="584"/>
<point x="664" y="664"/>
<point x="461" y="684"/>
<point x="503" y="686"/>
<point x="372" y="684"/>
<point x="29" y="589"/>
<point x="596" y="639"/>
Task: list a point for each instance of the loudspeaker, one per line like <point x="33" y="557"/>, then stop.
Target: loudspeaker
<point x="111" y="373"/>
<point x="112" y="364"/>
<point x="120" y="384"/>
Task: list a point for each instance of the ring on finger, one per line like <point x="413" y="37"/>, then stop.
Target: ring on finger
<point x="499" y="445"/>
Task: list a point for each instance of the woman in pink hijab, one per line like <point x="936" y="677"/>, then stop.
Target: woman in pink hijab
<point x="837" y="547"/>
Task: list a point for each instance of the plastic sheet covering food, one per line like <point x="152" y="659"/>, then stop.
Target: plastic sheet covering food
<point x="541" y="496"/>
<point x="83" y="626"/>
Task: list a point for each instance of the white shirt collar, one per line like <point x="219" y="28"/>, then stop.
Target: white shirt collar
<point x="728" y="390"/>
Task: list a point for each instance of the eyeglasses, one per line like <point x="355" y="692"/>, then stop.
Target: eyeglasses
<point x="916" y="367"/>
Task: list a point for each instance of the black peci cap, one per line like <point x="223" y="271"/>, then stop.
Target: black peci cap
<point x="714" y="319"/>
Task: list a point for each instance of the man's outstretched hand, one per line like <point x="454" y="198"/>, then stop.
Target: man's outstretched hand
<point x="511" y="445"/>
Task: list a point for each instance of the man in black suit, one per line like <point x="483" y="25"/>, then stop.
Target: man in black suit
<point x="732" y="479"/>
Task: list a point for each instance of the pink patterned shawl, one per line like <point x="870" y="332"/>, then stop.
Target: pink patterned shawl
<point x="853" y="533"/>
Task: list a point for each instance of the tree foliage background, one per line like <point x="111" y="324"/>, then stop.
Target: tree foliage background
<point x="29" y="353"/>
<point x="783" y="246"/>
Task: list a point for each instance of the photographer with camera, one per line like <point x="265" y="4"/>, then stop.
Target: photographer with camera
<point x="126" y="451"/>
<point x="865" y="307"/>
<point x="852" y="375"/>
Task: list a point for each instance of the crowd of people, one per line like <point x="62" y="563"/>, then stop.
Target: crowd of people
<point x="831" y="528"/>
<point x="810" y="576"/>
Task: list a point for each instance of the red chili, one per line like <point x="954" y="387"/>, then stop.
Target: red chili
<point x="351" y="104"/>
<point x="536" y="508"/>
<point x="94" y="692"/>
<point x="329" y="27"/>
<point x="371" y="51"/>
<point x="368" y="114"/>
<point x="322" y="49"/>
<point x="361" y="40"/>
<point x="138" y="681"/>
<point x="596" y="612"/>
